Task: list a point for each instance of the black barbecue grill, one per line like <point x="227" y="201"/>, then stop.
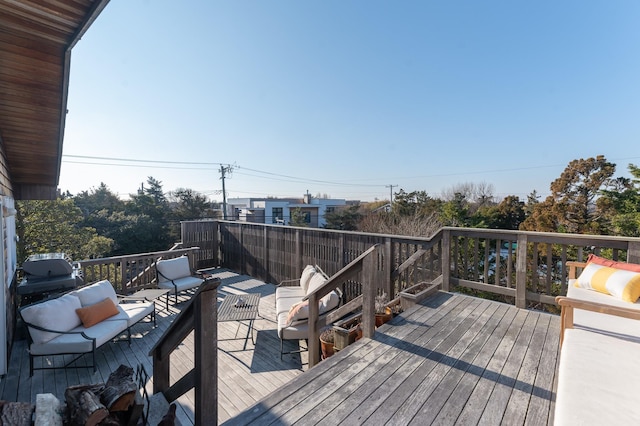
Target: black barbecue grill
<point x="46" y="274"/>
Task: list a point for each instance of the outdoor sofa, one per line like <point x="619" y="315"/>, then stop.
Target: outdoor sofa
<point x="81" y="321"/>
<point x="292" y="310"/>
<point x="600" y="337"/>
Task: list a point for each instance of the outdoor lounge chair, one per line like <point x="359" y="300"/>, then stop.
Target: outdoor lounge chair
<point x="176" y="275"/>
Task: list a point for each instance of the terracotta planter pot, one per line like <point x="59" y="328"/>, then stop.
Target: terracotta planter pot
<point x="327" y="349"/>
<point x="382" y="318"/>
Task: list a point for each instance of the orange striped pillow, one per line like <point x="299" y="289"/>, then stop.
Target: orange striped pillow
<point x="619" y="283"/>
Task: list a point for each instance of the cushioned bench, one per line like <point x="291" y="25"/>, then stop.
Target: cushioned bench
<point x="597" y="379"/>
<point x="175" y="274"/>
<point x="292" y="312"/>
<point x="81" y="321"/>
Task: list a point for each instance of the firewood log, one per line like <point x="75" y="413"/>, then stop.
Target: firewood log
<point x="84" y="406"/>
<point x="120" y="390"/>
<point x="16" y="413"/>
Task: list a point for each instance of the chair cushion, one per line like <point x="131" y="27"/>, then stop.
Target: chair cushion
<point x="103" y="332"/>
<point x="172" y="269"/>
<point x="133" y="312"/>
<point x="93" y="314"/>
<point x="609" y="324"/>
<point x="620" y="283"/>
<point x="57" y="314"/>
<point x="597" y="381"/>
<point x="94" y="293"/>
<point x="181" y="284"/>
<point x="286" y="297"/>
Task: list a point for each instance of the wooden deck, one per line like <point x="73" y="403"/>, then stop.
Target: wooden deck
<point x="247" y="372"/>
<point x="454" y="360"/>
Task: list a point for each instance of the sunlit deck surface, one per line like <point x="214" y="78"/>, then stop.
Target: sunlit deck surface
<point x="454" y="360"/>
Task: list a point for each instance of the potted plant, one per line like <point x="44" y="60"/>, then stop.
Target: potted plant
<point x="326" y="343"/>
<point x="383" y="312"/>
<point x="413" y="295"/>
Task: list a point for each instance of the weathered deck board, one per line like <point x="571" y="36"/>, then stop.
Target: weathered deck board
<point x="454" y="360"/>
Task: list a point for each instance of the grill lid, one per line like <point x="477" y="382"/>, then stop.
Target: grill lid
<point x="47" y="265"/>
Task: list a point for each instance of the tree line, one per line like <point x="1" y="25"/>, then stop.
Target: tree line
<point x="585" y="199"/>
<point x="97" y="223"/>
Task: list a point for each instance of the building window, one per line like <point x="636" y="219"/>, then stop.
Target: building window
<point x="277" y="214"/>
<point x="330" y="209"/>
<point x="307" y="217"/>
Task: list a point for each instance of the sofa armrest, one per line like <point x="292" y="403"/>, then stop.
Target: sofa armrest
<point x="573" y="268"/>
<point x="37" y="327"/>
<point x="289" y="283"/>
<point x="568" y="304"/>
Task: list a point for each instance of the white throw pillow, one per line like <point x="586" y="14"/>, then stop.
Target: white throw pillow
<point x="309" y="271"/>
<point x="97" y="292"/>
<point x="317" y="281"/>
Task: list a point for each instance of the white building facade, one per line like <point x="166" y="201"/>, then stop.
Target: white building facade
<point x="279" y="210"/>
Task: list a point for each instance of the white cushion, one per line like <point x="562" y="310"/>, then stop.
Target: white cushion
<point x="286" y="297"/>
<point x="133" y="312"/>
<point x="598" y="383"/>
<point x="103" y="332"/>
<point x="317" y="280"/>
<point x="172" y="269"/>
<point x="610" y="324"/>
<point x="94" y="293"/>
<point x="184" y="283"/>
<point x="307" y="273"/>
<point x="57" y="314"/>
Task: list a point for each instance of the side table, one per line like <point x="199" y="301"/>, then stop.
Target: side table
<point x="240" y="307"/>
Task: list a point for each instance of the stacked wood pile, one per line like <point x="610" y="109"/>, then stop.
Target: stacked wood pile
<point x="16" y="413"/>
<point x="116" y="402"/>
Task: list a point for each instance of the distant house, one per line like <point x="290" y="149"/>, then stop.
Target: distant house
<point x="278" y="210"/>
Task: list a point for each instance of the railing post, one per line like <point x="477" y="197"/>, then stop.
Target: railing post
<point x="206" y="357"/>
<point x="265" y="248"/>
<point x="633" y="252"/>
<point x="216" y="244"/>
<point x="388" y="268"/>
<point x="314" y="335"/>
<point x="369" y="274"/>
<point x="521" y="272"/>
<point x="298" y="259"/>
<point x="123" y="275"/>
<point x="446" y="259"/>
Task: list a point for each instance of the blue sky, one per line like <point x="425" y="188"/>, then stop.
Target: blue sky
<point x="346" y="97"/>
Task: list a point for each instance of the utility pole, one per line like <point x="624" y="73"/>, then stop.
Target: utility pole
<point x="390" y="192"/>
<point x="223" y="171"/>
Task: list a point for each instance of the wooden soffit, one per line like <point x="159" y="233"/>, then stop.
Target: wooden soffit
<point x="36" y="37"/>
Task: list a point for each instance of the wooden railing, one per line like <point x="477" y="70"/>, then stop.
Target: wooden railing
<point x="130" y="273"/>
<point x="364" y="267"/>
<point x="527" y="269"/>
<point x="201" y="317"/>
